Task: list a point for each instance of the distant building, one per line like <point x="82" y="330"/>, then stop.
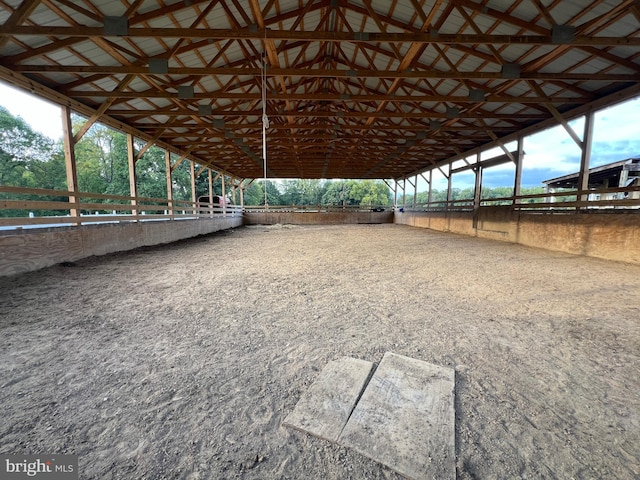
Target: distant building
<point x="624" y="173"/>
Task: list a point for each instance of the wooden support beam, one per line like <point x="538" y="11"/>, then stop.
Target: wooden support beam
<point x="395" y="193"/>
<point x="202" y="169"/>
<point x="404" y="192"/>
<point x="133" y="184"/>
<point x="477" y="191"/>
<point x="70" y="164"/>
<point x="603" y="102"/>
<point x="233" y="191"/>
<point x="192" y="171"/>
<point x="311" y="73"/>
<point x="103" y="108"/>
<point x="329" y="114"/>
<point x="585" y="157"/>
<point x="19" y="15"/>
<point x="496" y="140"/>
<point x="386" y="182"/>
<point x="557" y="115"/>
<point x="317" y="36"/>
<point x="224" y="196"/>
<point x="20" y="81"/>
<point x="146" y="147"/>
<point x="449" y="188"/>
<point x="182" y="158"/>
<point x="167" y="162"/>
<point x="210" y="186"/>
<point x="446" y="175"/>
<point x="517" y="181"/>
<point x="544" y="11"/>
<point x="635" y="9"/>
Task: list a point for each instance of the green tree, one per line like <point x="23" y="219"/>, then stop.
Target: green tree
<point x="181" y="181"/>
<point x="302" y="192"/>
<point x="338" y="193"/>
<point x="369" y="192"/>
<point x="28" y="159"/>
<point x="497" y="192"/>
<point x="254" y="194"/>
<point x="101" y="161"/>
<point x="532" y="191"/>
<point x="20" y="148"/>
<point x="151" y="174"/>
<point x="357" y="192"/>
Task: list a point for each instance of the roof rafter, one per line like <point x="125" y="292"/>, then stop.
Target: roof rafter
<point x="361" y="88"/>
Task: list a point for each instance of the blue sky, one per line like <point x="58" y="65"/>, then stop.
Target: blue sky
<point x="553" y="153"/>
<point x="549" y="154"/>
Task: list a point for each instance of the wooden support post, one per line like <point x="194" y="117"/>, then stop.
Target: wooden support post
<point x="210" y="180"/>
<point x="624" y="178"/>
<point x="585" y="158"/>
<point x="415" y="193"/>
<point x="517" y="181"/>
<point x="477" y="192"/>
<point x="449" y="189"/>
<point x="133" y="187"/>
<point x="395" y="194"/>
<point x="233" y="190"/>
<point x="70" y="162"/>
<point x="192" y="170"/>
<point x="241" y="196"/>
<point x="224" y="197"/>
<point x="167" y="161"/>
<point x="413" y="185"/>
<point x="404" y="193"/>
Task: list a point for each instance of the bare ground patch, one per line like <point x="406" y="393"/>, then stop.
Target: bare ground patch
<point x="181" y="361"/>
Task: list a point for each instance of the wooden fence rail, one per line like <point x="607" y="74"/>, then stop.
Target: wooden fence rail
<point x="627" y="198"/>
<point x="55" y="207"/>
<point x="117" y="208"/>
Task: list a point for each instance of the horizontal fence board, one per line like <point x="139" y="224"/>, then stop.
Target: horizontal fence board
<point x="164" y="209"/>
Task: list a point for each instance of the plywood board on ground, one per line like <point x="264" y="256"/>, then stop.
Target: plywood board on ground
<point x="405" y="419"/>
<point x="325" y="408"/>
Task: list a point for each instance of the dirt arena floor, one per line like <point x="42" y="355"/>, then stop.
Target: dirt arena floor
<point x="181" y="361"/>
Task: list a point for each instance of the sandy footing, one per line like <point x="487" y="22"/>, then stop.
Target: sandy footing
<point x="181" y="361"/>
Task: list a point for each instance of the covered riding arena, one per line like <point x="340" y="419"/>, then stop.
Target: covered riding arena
<point x="167" y="338"/>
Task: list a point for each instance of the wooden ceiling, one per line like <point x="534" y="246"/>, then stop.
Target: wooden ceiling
<point x="354" y="88"/>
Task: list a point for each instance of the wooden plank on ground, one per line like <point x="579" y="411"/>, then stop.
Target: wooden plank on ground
<point x="405" y="419"/>
<point x="325" y="408"/>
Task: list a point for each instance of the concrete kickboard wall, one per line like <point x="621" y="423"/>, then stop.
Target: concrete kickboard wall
<point x="28" y="250"/>
<point x="611" y="236"/>
<point x="316" y="218"/>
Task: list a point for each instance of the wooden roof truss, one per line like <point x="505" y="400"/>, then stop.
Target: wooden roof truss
<point x="355" y="88"/>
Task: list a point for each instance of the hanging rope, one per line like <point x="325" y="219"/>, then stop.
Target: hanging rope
<point x="265" y="119"/>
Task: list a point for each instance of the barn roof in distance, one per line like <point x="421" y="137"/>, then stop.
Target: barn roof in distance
<point x="608" y="175"/>
<point x="354" y="88"/>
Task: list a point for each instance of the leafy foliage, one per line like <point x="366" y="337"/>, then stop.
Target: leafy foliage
<point x="319" y="192"/>
<point x="22" y="151"/>
<point x="468" y="194"/>
<point x="30" y="159"/>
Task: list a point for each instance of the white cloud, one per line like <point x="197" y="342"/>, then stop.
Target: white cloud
<point x="618" y="123"/>
<point x="615" y="135"/>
